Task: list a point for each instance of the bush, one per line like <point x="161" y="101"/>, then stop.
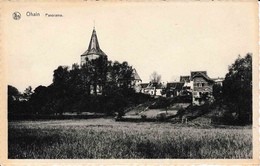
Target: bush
<point x="161" y="116"/>
<point x="143" y="116"/>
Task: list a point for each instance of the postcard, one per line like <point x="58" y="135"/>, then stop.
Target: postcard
<point x="129" y="83"/>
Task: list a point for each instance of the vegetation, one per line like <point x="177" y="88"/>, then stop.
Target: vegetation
<point x="236" y="94"/>
<point x="155" y="78"/>
<point x="17" y="101"/>
<point x="105" y="138"/>
<point x="79" y="90"/>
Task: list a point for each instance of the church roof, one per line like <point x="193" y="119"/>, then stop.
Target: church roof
<point x="135" y="75"/>
<point x="93" y="47"/>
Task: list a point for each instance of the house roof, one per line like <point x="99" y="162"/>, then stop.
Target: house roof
<point x="144" y="85"/>
<point x="185" y="79"/>
<point x="218" y="79"/>
<point x="200" y="74"/>
<point x="193" y="73"/>
<point x="152" y="85"/>
<point x="175" y="85"/>
<point x="160" y="86"/>
<point x="93" y="47"/>
<point x="135" y="75"/>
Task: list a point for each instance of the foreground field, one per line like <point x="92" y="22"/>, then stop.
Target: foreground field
<point x="105" y="138"/>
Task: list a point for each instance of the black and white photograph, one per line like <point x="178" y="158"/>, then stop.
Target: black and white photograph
<point x="173" y="80"/>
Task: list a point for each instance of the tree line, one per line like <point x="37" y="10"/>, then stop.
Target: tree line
<point x="99" y="86"/>
<point x="104" y="86"/>
<point x="236" y="93"/>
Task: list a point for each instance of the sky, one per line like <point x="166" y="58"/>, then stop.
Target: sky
<point x="171" y="38"/>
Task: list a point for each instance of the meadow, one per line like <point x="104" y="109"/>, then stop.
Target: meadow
<point x="104" y="138"/>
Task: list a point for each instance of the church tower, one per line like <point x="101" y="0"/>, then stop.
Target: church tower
<point x="93" y="51"/>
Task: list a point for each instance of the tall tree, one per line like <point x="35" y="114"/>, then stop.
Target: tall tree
<point x="237" y="86"/>
<point x="39" y="99"/>
<point x="60" y="75"/>
<point x="13" y="95"/>
<point x="155" y="77"/>
<point x="12" y="92"/>
<point x="125" y="76"/>
<point x="16" y="104"/>
<point x="217" y="92"/>
<point x="99" y="73"/>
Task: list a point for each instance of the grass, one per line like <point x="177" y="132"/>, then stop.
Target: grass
<point x="138" y="109"/>
<point x="106" y="139"/>
<point x="153" y="113"/>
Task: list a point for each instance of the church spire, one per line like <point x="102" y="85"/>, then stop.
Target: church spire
<point x="93" y="50"/>
<point x="93" y="44"/>
<point x="93" y="47"/>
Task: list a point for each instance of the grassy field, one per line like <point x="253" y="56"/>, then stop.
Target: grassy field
<point x="105" y="138"/>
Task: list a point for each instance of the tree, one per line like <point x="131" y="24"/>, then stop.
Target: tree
<point x="76" y="90"/>
<point x="58" y="92"/>
<point x="155" y="77"/>
<point x="237" y="87"/>
<point x="39" y="99"/>
<point x="12" y="92"/>
<point x="16" y="104"/>
<point x="27" y="93"/>
<point x="217" y="92"/>
<point x="125" y="78"/>
<point x="60" y="75"/>
<point x="13" y="95"/>
<point x="99" y="73"/>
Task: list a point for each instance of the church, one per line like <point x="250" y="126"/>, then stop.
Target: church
<point x="94" y="51"/>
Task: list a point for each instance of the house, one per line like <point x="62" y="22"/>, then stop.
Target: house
<point x="159" y="89"/>
<point x="187" y="83"/>
<point x="136" y="81"/>
<point x="150" y="89"/>
<point x="198" y="84"/>
<point x="174" y="89"/>
<point x="153" y="89"/>
<point x="184" y="79"/>
<point x="143" y="87"/>
<point x="218" y="81"/>
<point x="202" y="87"/>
